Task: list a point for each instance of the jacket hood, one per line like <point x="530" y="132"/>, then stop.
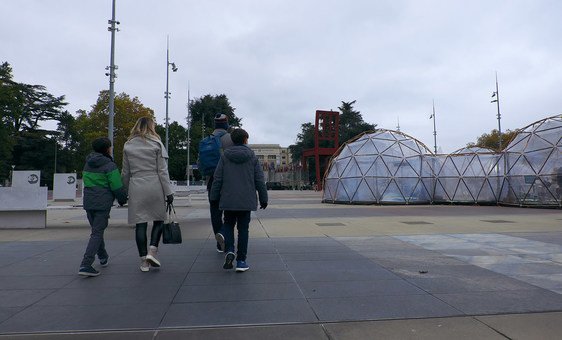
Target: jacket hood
<point x="239" y="154"/>
<point x="96" y="160"/>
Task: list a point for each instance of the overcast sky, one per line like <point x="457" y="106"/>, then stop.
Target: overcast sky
<point x="279" y="61"/>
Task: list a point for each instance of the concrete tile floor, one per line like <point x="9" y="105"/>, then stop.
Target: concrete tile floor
<point x="318" y="281"/>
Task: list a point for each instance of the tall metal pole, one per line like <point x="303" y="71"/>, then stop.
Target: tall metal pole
<point x="56" y="147"/>
<point x="188" y="144"/>
<point x="188" y="136"/>
<point x="434" y="129"/>
<point x="499" y="115"/>
<point x="167" y="92"/>
<point x="112" y="67"/>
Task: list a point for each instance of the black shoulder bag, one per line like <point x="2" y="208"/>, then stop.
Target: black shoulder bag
<point x="171" y="232"/>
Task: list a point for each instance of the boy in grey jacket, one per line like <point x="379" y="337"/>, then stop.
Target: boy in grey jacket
<point x="236" y="179"/>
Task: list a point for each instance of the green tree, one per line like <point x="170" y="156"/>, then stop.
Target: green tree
<point x="93" y="124"/>
<point x="491" y="140"/>
<point x="177" y="144"/>
<point x="68" y="141"/>
<point x="23" y="108"/>
<point x="351" y="122"/>
<point x="205" y="108"/>
<point x="26" y="106"/>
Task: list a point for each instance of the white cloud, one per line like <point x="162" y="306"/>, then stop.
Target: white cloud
<point x="279" y="61"/>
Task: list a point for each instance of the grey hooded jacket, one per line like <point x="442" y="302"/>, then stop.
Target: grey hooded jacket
<point x="237" y="178"/>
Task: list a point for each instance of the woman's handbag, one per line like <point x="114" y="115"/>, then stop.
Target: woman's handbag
<point x="171" y="232"/>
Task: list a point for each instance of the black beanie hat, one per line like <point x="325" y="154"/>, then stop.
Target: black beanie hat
<point x="221" y="121"/>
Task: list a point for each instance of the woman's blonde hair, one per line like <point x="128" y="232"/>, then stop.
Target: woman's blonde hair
<point x="144" y="127"/>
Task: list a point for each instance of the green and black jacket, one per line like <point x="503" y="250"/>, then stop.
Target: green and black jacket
<point x="102" y="183"/>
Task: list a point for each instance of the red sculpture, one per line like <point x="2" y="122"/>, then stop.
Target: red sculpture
<point x="326" y="142"/>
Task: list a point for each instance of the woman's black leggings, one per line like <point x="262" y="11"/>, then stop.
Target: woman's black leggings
<point x="140" y="233"/>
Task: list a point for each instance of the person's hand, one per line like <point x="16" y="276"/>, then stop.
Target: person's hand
<point x="170" y="198"/>
<point x="263" y="205"/>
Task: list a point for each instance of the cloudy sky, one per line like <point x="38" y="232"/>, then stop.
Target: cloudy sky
<point x="280" y="60"/>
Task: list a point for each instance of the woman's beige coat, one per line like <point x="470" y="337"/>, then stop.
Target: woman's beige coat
<point x="145" y="176"/>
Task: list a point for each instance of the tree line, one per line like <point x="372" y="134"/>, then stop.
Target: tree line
<point x="26" y="145"/>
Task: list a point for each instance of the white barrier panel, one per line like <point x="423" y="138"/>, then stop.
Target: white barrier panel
<point x="64" y="186"/>
<point x="23" y="207"/>
<point x="26" y="179"/>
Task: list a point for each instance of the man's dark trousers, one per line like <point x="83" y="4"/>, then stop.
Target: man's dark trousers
<point x="216" y="213"/>
<point x="99" y="220"/>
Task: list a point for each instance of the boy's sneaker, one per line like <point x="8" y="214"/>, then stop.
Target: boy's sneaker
<point x="220" y="242"/>
<point x="104" y="261"/>
<point x="88" y="271"/>
<point x="228" y="259"/>
<point x="241" y="266"/>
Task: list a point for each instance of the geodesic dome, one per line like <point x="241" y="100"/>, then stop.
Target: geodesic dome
<point x="468" y="175"/>
<point x="384" y="166"/>
<point x="533" y="163"/>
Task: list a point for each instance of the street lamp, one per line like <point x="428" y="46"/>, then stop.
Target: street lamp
<point x="188" y="167"/>
<point x="167" y="93"/>
<point x="434" y="129"/>
<point x="496" y="94"/>
<point x="111" y="74"/>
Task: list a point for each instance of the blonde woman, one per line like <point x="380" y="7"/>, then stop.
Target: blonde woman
<point x="145" y="175"/>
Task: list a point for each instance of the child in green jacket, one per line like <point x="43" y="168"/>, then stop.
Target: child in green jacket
<point x="102" y="185"/>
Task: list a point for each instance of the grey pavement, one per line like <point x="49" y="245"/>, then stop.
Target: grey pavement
<point x="318" y="271"/>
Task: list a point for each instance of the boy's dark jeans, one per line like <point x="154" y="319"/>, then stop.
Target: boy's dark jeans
<point x="240" y="219"/>
<point x="99" y="220"/>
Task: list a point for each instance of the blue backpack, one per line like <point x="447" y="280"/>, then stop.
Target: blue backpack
<point x="209" y="153"/>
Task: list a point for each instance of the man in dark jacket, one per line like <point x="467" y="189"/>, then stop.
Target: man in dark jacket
<point x="237" y="178"/>
<point x="221" y="129"/>
<point x="102" y="184"/>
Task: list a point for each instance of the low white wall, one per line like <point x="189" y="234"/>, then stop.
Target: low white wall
<point x="23" y="207"/>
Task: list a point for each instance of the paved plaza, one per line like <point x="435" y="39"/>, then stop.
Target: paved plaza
<point x="318" y="271"/>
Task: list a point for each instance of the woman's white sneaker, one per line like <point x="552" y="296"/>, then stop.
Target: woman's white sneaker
<point x="144" y="266"/>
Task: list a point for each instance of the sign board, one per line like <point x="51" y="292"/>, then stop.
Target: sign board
<point x="65" y="186"/>
<point x="26" y="179"/>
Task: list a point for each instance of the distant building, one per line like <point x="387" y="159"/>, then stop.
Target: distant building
<point x="273" y="155"/>
<point x="276" y="163"/>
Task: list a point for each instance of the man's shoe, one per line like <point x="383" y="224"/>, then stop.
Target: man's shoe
<point x="220" y="242"/>
<point x="219" y="249"/>
<point x="151" y="257"/>
<point x="88" y="271"/>
<point x="241" y="266"/>
<point x="104" y="261"/>
<point x="144" y="266"/>
<point x="228" y="259"/>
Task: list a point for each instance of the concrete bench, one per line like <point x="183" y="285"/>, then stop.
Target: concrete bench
<point x="23" y="207"/>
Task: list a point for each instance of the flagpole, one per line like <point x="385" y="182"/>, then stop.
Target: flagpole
<point x="434" y="129"/>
